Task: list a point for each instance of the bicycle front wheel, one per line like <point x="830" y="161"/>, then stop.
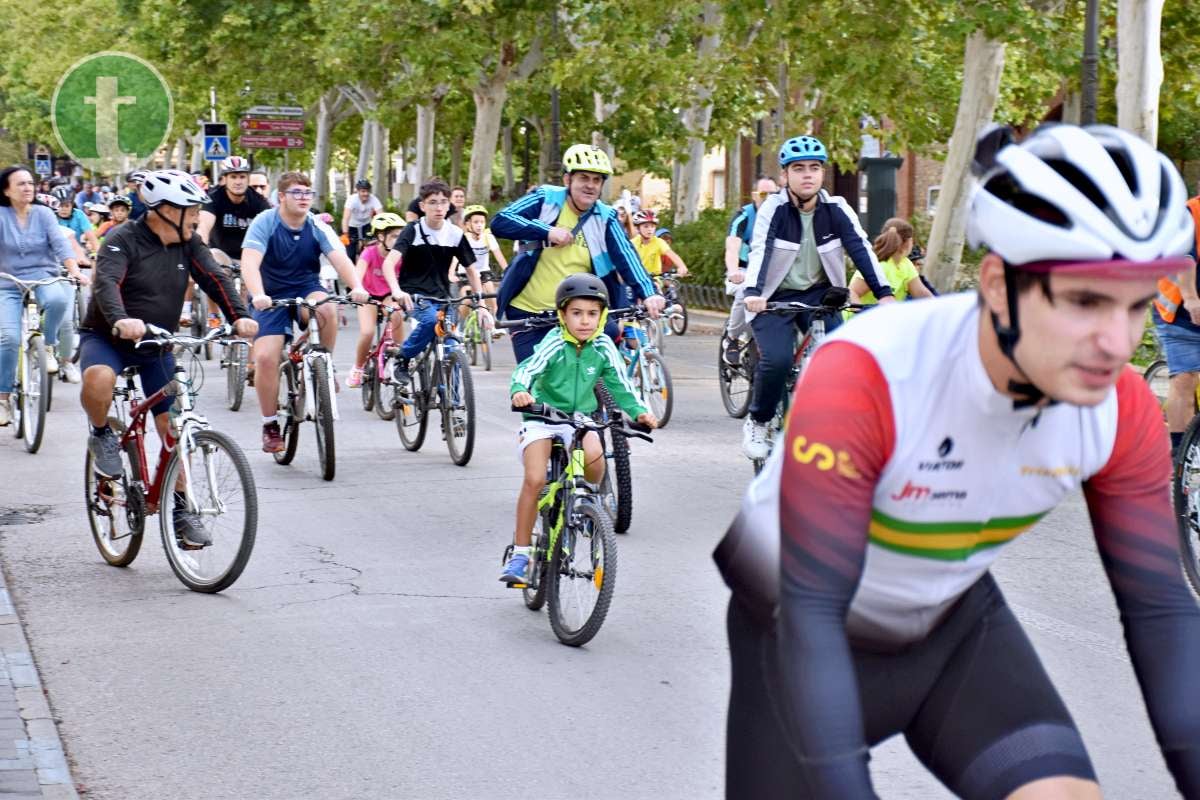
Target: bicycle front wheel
<point x="679" y="319"/>
<point x="658" y="389"/>
<point x="34" y="380"/>
<point x="412" y="409"/>
<point x="736" y="382"/>
<point x="581" y="575"/>
<point x="236" y="358"/>
<point x="458" y="408"/>
<point x="116" y="508"/>
<point x="224" y="498"/>
<point x="323" y="418"/>
<point x="290" y="410"/>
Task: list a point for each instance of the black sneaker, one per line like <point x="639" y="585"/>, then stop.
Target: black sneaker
<point x="401" y="375"/>
<point x="106" y="454"/>
<point x="189" y="530"/>
<point x="733" y="353"/>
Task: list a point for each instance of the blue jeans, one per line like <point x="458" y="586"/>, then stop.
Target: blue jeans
<point x="775" y="335"/>
<point x="55" y="300"/>
<point x="424" y="313"/>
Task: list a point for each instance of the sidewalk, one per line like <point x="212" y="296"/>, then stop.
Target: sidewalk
<point x="32" y="763"/>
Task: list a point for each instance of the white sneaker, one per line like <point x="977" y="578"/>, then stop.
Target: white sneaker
<point x="754" y="440"/>
<point x="71" y="373"/>
<point x="5" y="413"/>
<point x="51" y="363"/>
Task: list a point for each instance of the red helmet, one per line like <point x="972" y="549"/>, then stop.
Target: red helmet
<point x="642" y="217"/>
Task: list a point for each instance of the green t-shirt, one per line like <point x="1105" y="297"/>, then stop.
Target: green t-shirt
<point x="898" y="276"/>
<point x="555" y="264"/>
<point x="806" y="270"/>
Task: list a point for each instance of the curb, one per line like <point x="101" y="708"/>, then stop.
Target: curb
<point x="32" y="761"/>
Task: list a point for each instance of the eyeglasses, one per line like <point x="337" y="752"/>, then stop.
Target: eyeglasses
<point x="300" y="194"/>
<point x="432" y="202"/>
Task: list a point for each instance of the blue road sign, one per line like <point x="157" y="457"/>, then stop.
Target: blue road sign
<point x="216" y="148"/>
<point x="41" y="165"/>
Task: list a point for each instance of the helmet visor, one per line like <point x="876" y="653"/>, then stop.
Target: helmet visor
<point x="1117" y="268"/>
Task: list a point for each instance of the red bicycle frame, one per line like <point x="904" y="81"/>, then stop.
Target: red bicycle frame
<point x="136" y="433"/>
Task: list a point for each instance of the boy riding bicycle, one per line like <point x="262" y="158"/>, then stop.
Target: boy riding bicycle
<point x="562" y="372"/>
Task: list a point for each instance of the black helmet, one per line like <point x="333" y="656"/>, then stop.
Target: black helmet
<point x="582" y="284"/>
<point x="363" y="184"/>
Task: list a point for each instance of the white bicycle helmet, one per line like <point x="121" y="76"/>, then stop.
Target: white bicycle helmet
<point x="173" y="187"/>
<point x="234" y="164"/>
<point x="1097" y="196"/>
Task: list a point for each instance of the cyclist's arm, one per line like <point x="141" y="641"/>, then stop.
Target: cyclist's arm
<point x="518" y="220"/>
<point x="494" y="246"/>
<point x="111" y="266"/>
<point x="841" y="423"/>
<point x="346" y="219"/>
<point x="89" y="239"/>
<point x="617" y="380"/>
<point x="215" y="281"/>
<point x="733" y="241"/>
<point x="331" y="248"/>
<point x="205" y="226"/>
<point x="756" y="263"/>
<point x="858" y="287"/>
<point x="1136" y="532"/>
<point x="626" y="260"/>
<point x="674" y="258"/>
<point x="858" y="247"/>
<point x="916" y="288"/>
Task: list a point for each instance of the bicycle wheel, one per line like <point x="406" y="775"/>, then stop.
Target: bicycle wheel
<point x="384" y="391"/>
<point x="34" y="380"/>
<point x="658" y="390"/>
<point x="679" y="319"/>
<point x="116" y="508"/>
<point x="470" y="336"/>
<point x="412" y="410"/>
<point x="323" y="418"/>
<point x="1185" y="489"/>
<point x="655" y="328"/>
<point x="458" y="408"/>
<point x="236" y="358"/>
<point x="290" y="410"/>
<point x="618" y="480"/>
<point x="534" y="593"/>
<point x="485" y="347"/>
<point x="200" y="323"/>
<point x="581" y="575"/>
<point x="368" y="385"/>
<point x="223" y="495"/>
<point x="736" y="383"/>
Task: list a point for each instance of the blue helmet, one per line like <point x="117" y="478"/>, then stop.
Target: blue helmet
<point x="802" y="148"/>
<point x="661" y="232"/>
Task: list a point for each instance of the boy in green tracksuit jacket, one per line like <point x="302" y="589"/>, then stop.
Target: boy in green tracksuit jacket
<point x="562" y="372"/>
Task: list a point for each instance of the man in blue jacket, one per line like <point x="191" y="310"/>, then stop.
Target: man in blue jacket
<point x="801" y="238"/>
<point x="562" y="231"/>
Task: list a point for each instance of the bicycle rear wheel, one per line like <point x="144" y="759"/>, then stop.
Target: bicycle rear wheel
<point x="659" y="391"/>
<point x="290" y="410"/>
<point x="236" y="358"/>
<point x="116" y="508"/>
<point x="368" y="385"/>
<point x="225" y="499"/>
<point x="323" y="418"/>
<point x="458" y="408"/>
<point x="412" y="409"/>
<point x="736" y="382"/>
<point x="34" y="380"/>
<point x="534" y="593"/>
<point x="582" y="573"/>
<point x="385" y="391"/>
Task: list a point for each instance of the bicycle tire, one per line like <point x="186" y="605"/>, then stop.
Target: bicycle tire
<point x="235" y="374"/>
<point x="486" y="348"/>
<point x="368" y="385"/>
<point x="290" y="409"/>
<point x="385" y="392"/>
<point x="535" y="595"/>
<point x="622" y="486"/>
<point x="134" y="514"/>
<point x="737" y="403"/>
<point x="456" y="363"/>
<point x="679" y="321"/>
<point x="200" y="323"/>
<point x="176" y="557"/>
<point x="662" y="398"/>
<point x="323" y="420"/>
<point x="50" y="381"/>
<point x="412" y="410"/>
<point x="33" y="393"/>
<point x="588" y="514"/>
<point x="469" y="344"/>
<point x="1185" y="492"/>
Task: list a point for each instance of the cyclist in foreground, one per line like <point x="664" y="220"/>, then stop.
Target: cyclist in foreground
<point x="863" y="606"/>
<point x="562" y="372"/>
<point x="142" y="272"/>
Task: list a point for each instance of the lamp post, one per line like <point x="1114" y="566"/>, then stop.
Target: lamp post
<point x="1091" y="59"/>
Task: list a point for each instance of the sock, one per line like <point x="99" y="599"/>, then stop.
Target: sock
<point x="270" y="419"/>
<point x="1176" y="438"/>
<point x="526" y="551"/>
<point x="98" y="431"/>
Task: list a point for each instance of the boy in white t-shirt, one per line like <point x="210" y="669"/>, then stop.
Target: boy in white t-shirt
<point x="479" y="274"/>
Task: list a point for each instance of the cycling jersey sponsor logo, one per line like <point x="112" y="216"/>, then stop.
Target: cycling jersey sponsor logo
<point x="1067" y="471"/>
<point x="943" y="464"/>
<point x="912" y="491"/>
<point x="945" y="447"/>
<point x="823" y="457"/>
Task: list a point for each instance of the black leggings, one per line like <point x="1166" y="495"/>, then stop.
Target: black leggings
<point x="972" y="700"/>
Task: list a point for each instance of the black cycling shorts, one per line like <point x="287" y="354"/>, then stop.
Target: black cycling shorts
<point x="972" y="700"/>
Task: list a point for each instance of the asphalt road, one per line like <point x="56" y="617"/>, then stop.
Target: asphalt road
<point x="369" y="652"/>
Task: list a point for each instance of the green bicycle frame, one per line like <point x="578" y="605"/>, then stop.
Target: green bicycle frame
<point x="574" y="471"/>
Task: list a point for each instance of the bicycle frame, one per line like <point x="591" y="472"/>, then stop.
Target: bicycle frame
<point x="565" y="483"/>
<point x="307" y="350"/>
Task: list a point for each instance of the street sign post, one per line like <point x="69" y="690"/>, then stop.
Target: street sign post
<point x="275" y="111"/>
<point x="271" y="125"/>
<point x="259" y="142"/>
<point x="216" y="141"/>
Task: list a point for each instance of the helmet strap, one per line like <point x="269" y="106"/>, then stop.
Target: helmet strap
<point x="178" y="226"/>
<point x="1027" y="394"/>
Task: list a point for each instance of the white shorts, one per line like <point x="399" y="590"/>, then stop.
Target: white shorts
<point x="535" y="430"/>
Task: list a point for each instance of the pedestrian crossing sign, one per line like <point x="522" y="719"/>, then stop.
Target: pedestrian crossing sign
<point x="216" y="148"/>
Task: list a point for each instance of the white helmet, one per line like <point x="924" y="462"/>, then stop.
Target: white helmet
<point x="1071" y="194"/>
<point x="173" y="187"/>
<point x="234" y="164"/>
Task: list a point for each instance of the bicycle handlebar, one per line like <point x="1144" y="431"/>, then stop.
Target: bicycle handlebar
<point x="552" y="416"/>
<point x="26" y="284"/>
<point x="543" y="319"/>
<point x="160" y="336"/>
<point x="306" y="303"/>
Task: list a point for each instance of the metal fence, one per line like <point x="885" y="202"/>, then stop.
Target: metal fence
<point x="713" y="297"/>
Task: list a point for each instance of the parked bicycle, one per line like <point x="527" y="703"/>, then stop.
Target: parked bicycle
<point x="833" y="303"/>
<point x="307" y="372"/>
<point x="644" y="363"/>
<point x="32" y="387"/>
<point x="199" y="469"/>
<point x="440" y="378"/>
<point x="573" y="567"/>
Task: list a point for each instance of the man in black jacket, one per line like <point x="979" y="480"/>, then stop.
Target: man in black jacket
<point x="141" y="275"/>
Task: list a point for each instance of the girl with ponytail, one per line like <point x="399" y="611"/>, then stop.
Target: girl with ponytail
<point x="892" y="247"/>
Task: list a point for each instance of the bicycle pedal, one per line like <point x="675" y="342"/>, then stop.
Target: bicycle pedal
<point x="517" y="585"/>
